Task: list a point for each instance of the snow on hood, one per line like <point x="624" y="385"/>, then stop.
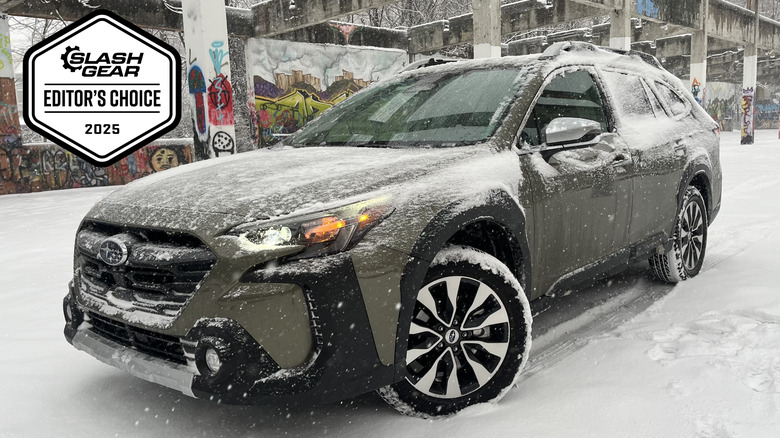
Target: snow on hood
<point x="277" y="182"/>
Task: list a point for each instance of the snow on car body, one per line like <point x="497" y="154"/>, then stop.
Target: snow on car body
<point x="396" y="245"/>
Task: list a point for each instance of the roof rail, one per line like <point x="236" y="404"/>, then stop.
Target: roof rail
<point x="556" y="49"/>
<point x="427" y="63"/>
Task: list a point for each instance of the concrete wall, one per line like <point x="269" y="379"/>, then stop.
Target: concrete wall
<point x="295" y="82"/>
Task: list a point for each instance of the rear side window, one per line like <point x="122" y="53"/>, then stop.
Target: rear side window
<point x="657" y="107"/>
<point x="675" y="103"/>
<point x="629" y="94"/>
<point x="572" y="94"/>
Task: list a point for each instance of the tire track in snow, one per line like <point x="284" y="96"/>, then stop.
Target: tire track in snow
<point x="723" y="244"/>
<point x="602" y="308"/>
<point x="752" y="184"/>
<point x="605" y="307"/>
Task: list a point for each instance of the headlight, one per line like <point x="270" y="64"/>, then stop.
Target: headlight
<point x="317" y="234"/>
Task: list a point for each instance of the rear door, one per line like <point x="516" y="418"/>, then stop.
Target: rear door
<point x="660" y="148"/>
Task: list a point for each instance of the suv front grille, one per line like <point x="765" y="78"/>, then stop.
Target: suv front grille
<point x="154" y="344"/>
<point x="161" y="273"/>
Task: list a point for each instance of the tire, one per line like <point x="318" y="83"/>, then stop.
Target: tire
<point x="689" y="242"/>
<point x="470" y="336"/>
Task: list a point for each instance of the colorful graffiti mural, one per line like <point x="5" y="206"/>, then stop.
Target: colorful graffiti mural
<point x="9" y="115"/>
<point x="220" y="95"/>
<point x="722" y="111"/>
<point x="747" y="118"/>
<point x="6" y="59"/>
<point x="681" y="12"/>
<point x="723" y="100"/>
<point x="197" y="86"/>
<point x="696" y="91"/>
<point x="295" y="82"/>
<point x="288" y="104"/>
<point x="346" y="30"/>
<point x="767" y="114"/>
<point x="40" y="167"/>
<point x="647" y="8"/>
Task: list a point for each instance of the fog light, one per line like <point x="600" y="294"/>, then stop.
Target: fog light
<point x="213" y="361"/>
<point x="68" y="314"/>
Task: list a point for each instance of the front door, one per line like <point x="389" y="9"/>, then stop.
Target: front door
<point x="581" y="196"/>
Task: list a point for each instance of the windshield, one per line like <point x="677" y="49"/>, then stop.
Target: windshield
<point x="438" y="109"/>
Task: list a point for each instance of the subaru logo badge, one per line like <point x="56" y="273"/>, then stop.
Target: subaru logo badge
<point x="113" y="251"/>
<point x="452" y="336"/>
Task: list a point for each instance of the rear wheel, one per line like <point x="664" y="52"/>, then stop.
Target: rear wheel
<point x="468" y="339"/>
<point x="689" y="242"/>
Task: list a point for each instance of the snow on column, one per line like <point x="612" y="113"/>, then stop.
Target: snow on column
<point x="10" y="130"/>
<point x="620" y="27"/>
<point x="699" y="50"/>
<point x="487" y="28"/>
<point x="208" y="77"/>
<point x="749" y="80"/>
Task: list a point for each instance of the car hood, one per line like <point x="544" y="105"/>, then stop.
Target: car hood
<point x="273" y="183"/>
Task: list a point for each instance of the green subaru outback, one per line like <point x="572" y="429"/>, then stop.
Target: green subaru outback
<point x="395" y="243"/>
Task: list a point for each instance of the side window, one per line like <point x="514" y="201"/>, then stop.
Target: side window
<point x="675" y="103"/>
<point x="629" y="94"/>
<point x="572" y="94"/>
<point x="657" y="107"/>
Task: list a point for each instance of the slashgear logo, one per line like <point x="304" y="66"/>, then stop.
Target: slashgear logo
<point x="102" y="88"/>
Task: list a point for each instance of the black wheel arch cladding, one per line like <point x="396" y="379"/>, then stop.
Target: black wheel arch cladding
<point x="500" y="208"/>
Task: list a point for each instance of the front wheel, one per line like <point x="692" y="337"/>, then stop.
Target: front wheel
<point x="689" y="242"/>
<point x="469" y="336"/>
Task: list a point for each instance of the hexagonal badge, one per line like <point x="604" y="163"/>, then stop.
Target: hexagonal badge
<point x="102" y="88"/>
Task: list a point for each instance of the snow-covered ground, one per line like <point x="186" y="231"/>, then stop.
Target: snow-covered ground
<point x="626" y="357"/>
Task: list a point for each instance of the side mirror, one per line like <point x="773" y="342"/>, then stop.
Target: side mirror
<point x="572" y="132"/>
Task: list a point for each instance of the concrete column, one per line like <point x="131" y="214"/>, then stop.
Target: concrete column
<point x="699" y="50"/>
<point x="487" y="28"/>
<point x="243" y="95"/>
<point x="620" y="27"/>
<point x="749" y="80"/>
<point x="209" y="77"/>
<point x="10" y="129"/>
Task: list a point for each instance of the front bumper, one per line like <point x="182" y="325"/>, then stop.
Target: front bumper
<point x="343" y="361"/>
<point x="174" y="376"/>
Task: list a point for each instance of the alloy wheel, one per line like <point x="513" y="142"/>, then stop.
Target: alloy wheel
<point x="458" y="338"/>
<point x="692" y="235"/>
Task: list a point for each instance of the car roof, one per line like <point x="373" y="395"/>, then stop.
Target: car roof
<point x="562" y="54"/>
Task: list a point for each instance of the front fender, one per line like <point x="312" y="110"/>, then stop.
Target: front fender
<point x="498" y="207"/>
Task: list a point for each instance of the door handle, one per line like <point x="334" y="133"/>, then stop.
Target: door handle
<point x="621" y="160"/>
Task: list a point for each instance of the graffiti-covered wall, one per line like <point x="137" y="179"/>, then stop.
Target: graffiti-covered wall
<point x="38" y="167"/>
<point x="725" y="105"/>
<point x="767" y="112"/>
<point x="294" y="82"/>
<point x="723" y="102"/>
